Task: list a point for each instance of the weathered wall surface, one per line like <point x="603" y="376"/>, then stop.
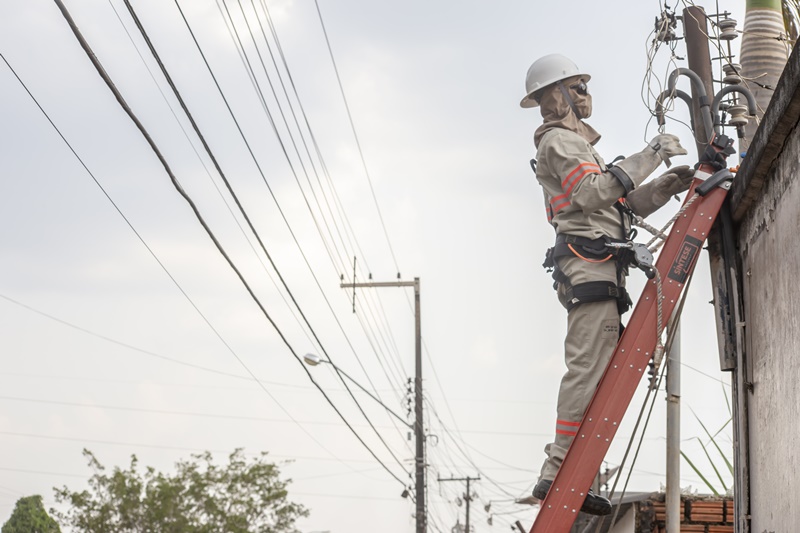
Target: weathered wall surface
<point x="765" y="202"/>
<point x="769" y="241"/>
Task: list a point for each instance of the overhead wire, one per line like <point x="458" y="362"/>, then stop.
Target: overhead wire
<point x="272" y="122"/>
<point x="101" y="71"/>
<point x="355" y="134"/>
<point x="262" y="99"/>
<point x="261" y="172"/>
<point x="123" y="344"/>
<point x="152" y="253"/>
<point x="468" y="458"/>
<point x="295" y="119"/>
<point x="208" y="172"/>
<point x="243" y="53"/>
<point x="241" y="207"/>
<point x="321" y="346"/>
<point x="147" y="247"/>
<point x="350" y="233"/>
<point x="288" y="458"/>
<point x="170" y="412"/>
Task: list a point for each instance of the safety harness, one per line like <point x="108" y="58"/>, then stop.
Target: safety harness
<point x="624" y="252"/>
<point x="594" y="251"/>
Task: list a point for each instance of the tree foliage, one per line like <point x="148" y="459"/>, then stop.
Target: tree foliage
<point x="29" y="516"/>
<point x="200" y="497"/>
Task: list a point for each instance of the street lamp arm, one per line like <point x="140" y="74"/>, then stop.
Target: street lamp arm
<point x="313" y="360"/>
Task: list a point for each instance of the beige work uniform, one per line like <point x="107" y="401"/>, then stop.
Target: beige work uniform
<point x="579" y="197"/>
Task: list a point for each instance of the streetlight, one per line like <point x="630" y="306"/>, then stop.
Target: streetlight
<point x="312" y="359"/>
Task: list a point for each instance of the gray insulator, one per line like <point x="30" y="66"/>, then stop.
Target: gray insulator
<point x="732" y="71"/>
<point x="727" y="29"/>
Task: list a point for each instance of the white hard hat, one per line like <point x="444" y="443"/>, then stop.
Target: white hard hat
<point x="546" y="70"/>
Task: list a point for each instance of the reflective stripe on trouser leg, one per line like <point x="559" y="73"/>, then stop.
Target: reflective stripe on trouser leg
<point x="592" y="335"/>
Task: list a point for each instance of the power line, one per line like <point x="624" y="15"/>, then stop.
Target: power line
<point x="123" y="344"/>
<point x="332" y="186"/>
<point x="137" y="445"/>
<point x="152" y="253"/>
<point x="234" y="33"/>
<point x="247" y="219"/>
<point x="166" y="411"/>
<point x="208" y="173"/>
<point x="355" y="135"/>
<point x="258" y="166"/>
<point x="215" y="162"/>
<point x="101" y="71"/>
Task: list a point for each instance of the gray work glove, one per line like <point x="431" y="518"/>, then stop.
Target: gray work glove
<point x="651" y="196"/>
<point x="667" y="146"/>
<point x="634" y="169"/>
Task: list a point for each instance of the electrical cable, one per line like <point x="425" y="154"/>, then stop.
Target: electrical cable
<point x="233" y="194"/>
<point x="294" y="117"/>
<point x="152" y="253"/>
<point x="353" y="241"/>
<point x="355" y="135"/>
<point x="247" y="144"/>
<point x="208" y="172"/>
<point x="271" y="119"/>
<point x="248" y="66"/>
<point x="337" y="202"/>
<point x="138" y="445"/>
<point x="468" y="457"/>
<point x="101" y="71"/>
<point x="123" y="344"/>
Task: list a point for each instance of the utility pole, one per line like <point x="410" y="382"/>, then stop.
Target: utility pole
<point x="467" y="495"/>
<point x="673" y="496"/>
<point x="421" y="516"/>
<point x="695" y="29"/>
<point x="695" y="26"/>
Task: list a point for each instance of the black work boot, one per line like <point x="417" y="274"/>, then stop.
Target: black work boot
<point x="593" y="504"/>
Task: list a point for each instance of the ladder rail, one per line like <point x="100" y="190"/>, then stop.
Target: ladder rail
<point x="628" y="363"/>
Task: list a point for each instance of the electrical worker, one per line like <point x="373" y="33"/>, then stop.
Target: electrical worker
<point x="589" y="204"/>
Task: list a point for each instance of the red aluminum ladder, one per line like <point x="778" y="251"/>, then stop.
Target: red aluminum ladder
<point x="634" y="351"/>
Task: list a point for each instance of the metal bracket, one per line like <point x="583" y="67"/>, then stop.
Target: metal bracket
<point x="721" y="178"/>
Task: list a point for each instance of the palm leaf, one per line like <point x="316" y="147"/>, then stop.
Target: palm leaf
<point x="716" y="471"/>
<point x="714" y="442"/>
<point x="699" y="473"/>
<point x="791" y="18"/>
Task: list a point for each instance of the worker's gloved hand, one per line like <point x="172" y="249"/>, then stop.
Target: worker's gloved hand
<point x="651" y="196"/>
<point x="633" y="170"/>
<point x="667" y="146"/>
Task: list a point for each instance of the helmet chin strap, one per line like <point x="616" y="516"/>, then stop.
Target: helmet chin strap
<point x="572" y="105"/>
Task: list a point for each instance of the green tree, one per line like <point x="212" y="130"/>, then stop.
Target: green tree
<point x="29" y="516"/>
<point x="200" y="497"/>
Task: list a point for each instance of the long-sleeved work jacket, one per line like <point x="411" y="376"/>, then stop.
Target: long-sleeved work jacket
<point x="579" y="191"/>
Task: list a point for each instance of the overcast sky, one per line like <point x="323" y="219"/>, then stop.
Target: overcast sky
<point x="145" y="342"/>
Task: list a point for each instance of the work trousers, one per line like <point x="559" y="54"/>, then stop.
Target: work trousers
<point x="592" y="335"/>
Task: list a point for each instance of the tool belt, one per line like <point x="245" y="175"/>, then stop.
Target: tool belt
<point x="594" y="250"/>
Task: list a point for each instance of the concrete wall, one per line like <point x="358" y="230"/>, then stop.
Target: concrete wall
<point x="766" y="206"/>
<point x="769" y="240"/>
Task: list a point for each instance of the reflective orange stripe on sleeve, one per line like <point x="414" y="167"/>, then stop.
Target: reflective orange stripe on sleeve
<point x="573" y="178"/>
<point x="577" y="174"/>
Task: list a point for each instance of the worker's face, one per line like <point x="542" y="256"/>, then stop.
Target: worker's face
<point x="579" y="92"/>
